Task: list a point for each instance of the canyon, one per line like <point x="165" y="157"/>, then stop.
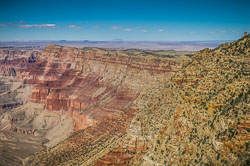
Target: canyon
<point x="93" y="106"/>
<point x="78" y="94"/>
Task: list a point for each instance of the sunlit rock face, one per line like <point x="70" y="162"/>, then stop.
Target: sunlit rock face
<point x="82" y="93"/>
<point x="91" y="84"/>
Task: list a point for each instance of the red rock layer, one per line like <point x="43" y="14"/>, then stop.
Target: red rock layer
<point x="123" y="156"/>
<point x="95" y="86"/>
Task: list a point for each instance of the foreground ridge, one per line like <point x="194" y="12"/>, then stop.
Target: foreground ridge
<point x="202" y="115"/>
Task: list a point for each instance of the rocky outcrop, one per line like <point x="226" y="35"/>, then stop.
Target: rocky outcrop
<point x="15" y="54"/>
<point x="22" y="131"/>
<point x="199" y="117"/>
<point x="82" y="81"/>
<point x="14" y="62"/>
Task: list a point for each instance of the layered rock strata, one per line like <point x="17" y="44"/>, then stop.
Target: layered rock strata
<point x="90" y="88"/>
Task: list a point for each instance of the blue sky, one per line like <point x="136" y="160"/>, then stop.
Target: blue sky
<point x="132" y="20"/>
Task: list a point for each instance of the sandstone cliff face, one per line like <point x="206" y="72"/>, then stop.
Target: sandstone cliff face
<point x="83" y="81"/>
<point x="93" y="87"/>
<point x="15" y="54"/>
<point x="14" y="62"/>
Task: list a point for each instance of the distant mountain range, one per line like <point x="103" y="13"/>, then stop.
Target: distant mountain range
<point x="116" y="44"/>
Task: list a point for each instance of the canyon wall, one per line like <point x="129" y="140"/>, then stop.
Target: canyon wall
<point x="199" y="117"/>
<point x="92" y="83"/>
<point x="87" y="90"/>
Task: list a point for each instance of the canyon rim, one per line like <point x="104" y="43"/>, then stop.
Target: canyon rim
<point x="124" y="83"/>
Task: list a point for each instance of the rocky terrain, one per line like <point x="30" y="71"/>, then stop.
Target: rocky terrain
<point x="84" y="94"/>
<point x="200" y="117"/>
<point x="91" y="106"/>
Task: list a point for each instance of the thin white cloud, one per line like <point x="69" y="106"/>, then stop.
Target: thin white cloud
<point x="73" y="26"/>
<point x="212" y="32"/>
<point x="116" y="27"/>
<point x="144" y="30"/>
<point x="161" y="30"/>
<point x="38" y="26"/>
<point x="127" y="29"/>
<point x="11" y="23"/>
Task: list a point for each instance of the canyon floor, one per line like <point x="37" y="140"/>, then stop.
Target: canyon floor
<point x="94" y="106"/>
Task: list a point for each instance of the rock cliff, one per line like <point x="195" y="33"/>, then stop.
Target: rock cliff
<point x="89" y="90"/>
<point x="92" y="83"/>
<point x="200" y="117"/>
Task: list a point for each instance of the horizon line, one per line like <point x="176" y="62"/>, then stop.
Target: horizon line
<point x="116" y="40"/>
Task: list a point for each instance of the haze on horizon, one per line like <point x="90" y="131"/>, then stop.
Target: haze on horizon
<point x="130" y="20"/>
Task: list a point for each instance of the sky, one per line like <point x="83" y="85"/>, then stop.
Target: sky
<point x="128" y="20"/>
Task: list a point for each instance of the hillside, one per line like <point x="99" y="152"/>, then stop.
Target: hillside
<point x="202" y="115"/>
